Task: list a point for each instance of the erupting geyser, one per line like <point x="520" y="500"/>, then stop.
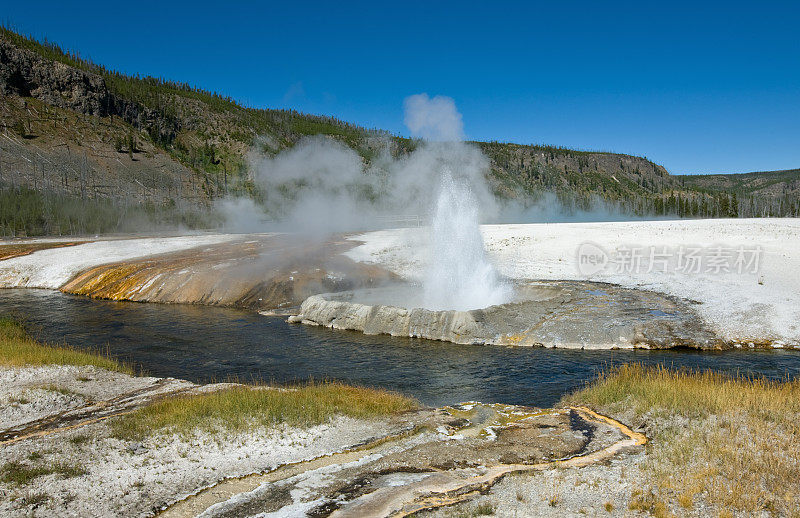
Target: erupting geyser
<point x="459" y="275"/>
<point x="462" y="298"/>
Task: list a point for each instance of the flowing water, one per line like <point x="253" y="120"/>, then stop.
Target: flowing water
<point x="207" y="344"/>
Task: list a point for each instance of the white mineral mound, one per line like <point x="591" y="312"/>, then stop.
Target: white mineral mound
<point x="52" y="268"/>
<point x="746" y="306"/>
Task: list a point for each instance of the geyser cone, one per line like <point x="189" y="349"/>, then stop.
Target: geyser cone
<point x="459" y="274"/>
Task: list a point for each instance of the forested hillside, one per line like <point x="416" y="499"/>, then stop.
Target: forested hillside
<point x="85" y="149"/>
<point x="759" y="194"/>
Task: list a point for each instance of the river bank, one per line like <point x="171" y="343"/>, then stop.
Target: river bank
<point x="83" y="436"/>
<point x="718" y="446"/>
<point x="86" y="436"/>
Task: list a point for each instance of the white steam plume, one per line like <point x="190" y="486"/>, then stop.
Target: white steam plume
<point x="321" y="186"/>
<point x="435" y="119"/>
<point x="459" y="274"/>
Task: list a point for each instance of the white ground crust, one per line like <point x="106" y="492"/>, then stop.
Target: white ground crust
<point x="53" y="267"/>
<point x="561" y="492"/>
<point x="31" y="393"/>
<point x="124" y="479"/>
<point x="735" y="305"/>
<point x="128" y="479"/>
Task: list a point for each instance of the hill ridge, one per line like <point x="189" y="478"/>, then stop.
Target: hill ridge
<point x="75" y="130"/>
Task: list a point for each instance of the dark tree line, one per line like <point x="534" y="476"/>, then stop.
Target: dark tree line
<point x="28" y="212"/>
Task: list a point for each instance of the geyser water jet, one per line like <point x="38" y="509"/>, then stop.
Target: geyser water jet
<point x="459" y="275"/>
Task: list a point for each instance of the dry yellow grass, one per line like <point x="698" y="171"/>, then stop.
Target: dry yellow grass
<point x="243" y="407"/>
<point x="692" y="394"/>
<point x="727" y="443"/>
<point x="18" y="348"/>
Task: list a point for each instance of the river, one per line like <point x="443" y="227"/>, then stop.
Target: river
<point x="206" y="344"/>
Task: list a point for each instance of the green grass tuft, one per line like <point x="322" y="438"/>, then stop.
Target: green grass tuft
<point x="18" y="348"/>
<point x="241" y="408"/>
<point x="484" y="509"/>
<point x="21" y="474"/>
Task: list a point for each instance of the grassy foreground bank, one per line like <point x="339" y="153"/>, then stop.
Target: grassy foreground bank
<point x="235" y="409"/>
<point x="720" y="445"/>
<point x="18" y="348"/>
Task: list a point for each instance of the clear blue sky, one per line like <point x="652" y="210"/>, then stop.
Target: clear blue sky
<point x="697" y="88"/>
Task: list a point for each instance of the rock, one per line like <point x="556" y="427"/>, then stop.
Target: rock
<point x="25" y="73"/>
<point x="568" y="314"/>
<point x="137" y="448"/>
